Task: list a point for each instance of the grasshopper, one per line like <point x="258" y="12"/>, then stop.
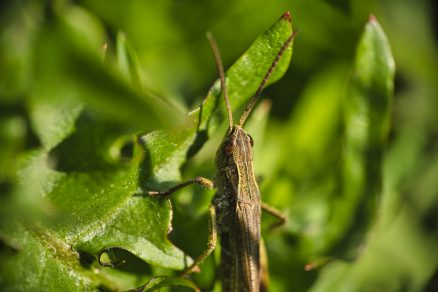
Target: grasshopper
<point x="235" y="211"/>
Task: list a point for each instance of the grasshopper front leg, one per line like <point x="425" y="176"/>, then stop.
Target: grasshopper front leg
<point x="205" y="182"/>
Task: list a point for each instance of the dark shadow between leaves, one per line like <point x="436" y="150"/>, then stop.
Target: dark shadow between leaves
<point x="86" y="259"/>
<point x="123" y="260"/>
<point x="429" y="220"/>
<point x="202" y="135"/>
<point x="6" y="190"/>
<point x="432" y="285"/>
<point x="8" y="249"/>
<point x="201" y="138"/>
<point x="19" y="113"/>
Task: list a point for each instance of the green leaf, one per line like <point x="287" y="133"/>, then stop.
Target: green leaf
<point x="160" y="282"/>
<point x="127" y="60"/>
<point x="39" y="259"/>
<point x="302" y="173"/>
<point x="101" y="204"/>
<point x="88" y="208"/>
<point x="367" y="120"/>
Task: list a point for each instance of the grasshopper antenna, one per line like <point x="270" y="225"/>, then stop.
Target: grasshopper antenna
<point x="220" y="68"/>
<point x="262" y="85"/>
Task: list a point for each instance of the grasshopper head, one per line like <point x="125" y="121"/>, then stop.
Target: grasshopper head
<point x="236" y="146"/>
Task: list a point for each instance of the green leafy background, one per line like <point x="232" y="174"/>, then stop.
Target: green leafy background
<point x="101" y="102"/>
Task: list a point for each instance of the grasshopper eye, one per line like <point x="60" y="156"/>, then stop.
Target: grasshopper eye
<point x="251" y="141"/>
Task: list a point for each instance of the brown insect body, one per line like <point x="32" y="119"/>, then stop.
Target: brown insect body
<point x="238" y="210"/>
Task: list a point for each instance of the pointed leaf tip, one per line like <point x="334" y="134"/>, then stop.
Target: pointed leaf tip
<point x="287" y="16"/>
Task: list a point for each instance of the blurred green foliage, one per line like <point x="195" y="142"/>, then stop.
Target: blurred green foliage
<point x="348" y="151"/>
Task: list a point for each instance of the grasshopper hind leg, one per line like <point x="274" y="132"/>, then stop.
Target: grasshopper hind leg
<point x="281" y="218"/>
